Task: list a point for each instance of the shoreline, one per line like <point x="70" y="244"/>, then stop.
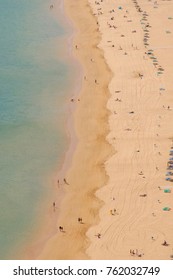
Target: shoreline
<point x="80" y="194"/>
<point x="47" y="229"/>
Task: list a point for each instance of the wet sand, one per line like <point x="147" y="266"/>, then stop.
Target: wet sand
<point x="87" y="173"/>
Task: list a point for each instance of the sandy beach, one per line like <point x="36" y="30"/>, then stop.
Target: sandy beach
<point x="119" y="182"/>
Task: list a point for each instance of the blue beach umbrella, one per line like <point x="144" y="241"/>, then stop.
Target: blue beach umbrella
<point x="169" y="179"/>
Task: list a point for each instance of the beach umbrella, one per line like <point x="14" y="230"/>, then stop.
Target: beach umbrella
<point x="169" y="173"/>
<point x="167" y="191"/>
<point x="166" y="208"/>
<point x="168" y="179"/>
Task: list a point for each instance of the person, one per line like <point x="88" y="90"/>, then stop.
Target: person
<point x="65" y="181"/>
<point x="54" y="206"/>
<point x="80" y="220"/>
<point x="61" y="229"/>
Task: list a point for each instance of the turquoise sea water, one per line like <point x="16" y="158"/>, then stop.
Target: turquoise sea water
<point x="35" y="77"/>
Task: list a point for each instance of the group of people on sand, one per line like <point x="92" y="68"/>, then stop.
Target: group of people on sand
<point x="135" y="253"/>
<point x="80" y="221"/>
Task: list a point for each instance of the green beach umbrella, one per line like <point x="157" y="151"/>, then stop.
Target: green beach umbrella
<point x="166" y="209"/>
<point x="167" y="191"/>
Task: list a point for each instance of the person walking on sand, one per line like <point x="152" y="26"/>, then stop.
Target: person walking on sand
<point x="54" y="205"/>
<point x="65" y="181"/>
<point x="61" y="229"/>
<point x="80" y="220"/>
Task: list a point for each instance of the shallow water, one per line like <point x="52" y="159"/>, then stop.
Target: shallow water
<point x="35" y="78"/>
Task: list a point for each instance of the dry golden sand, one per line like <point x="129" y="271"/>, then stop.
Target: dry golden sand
<point x="140" y="132"/>
<point x="140" y="120"/>
<point x="87" y="173"/>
